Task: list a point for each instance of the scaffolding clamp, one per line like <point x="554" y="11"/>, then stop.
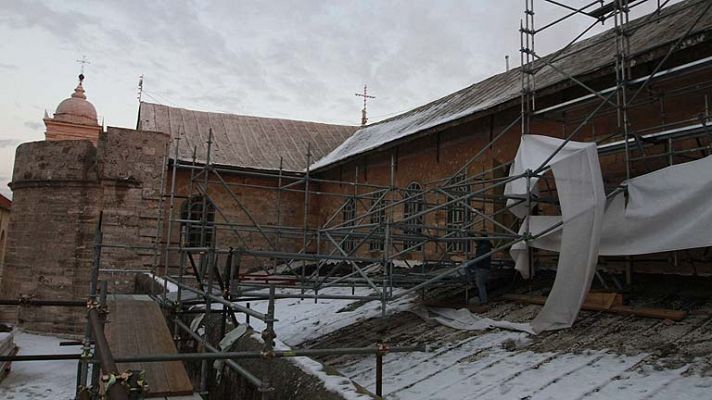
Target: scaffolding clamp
<point x="93" y="304"/>
<point x="24" y="300"/>
<point x="134" y="380"/>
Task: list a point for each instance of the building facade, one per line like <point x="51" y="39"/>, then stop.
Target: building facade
<point x="265" y="186"/>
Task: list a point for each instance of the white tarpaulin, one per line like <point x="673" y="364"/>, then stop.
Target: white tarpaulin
<point x="465" y="320"/>
<point x="669" y="209"/>
<point x="577" y="174"/>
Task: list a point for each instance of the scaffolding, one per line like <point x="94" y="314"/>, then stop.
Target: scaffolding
<point x="203" y="248"/>
<point x="344" y="235"/>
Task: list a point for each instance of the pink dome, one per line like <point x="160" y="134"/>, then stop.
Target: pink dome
<point x="76" y="109"/>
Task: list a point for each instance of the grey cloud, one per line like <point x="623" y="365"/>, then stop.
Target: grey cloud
<point x="9" y="143"/>
<point x="66" y="23"/>
<point x="4" y="189"/>
<point x="33" y="125"/>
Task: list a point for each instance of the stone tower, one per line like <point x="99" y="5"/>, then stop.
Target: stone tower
<point x="74" y="119"/>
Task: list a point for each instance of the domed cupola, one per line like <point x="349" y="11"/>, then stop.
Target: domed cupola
<point x="74" y="119"/>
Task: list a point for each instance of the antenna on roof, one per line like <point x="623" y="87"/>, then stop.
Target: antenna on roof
<point x="365" y="95"/>
<point x="506" y="62"/>
<point x="140" y="88"/>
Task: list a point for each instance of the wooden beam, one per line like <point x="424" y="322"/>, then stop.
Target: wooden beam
<point x="607" y="302"/>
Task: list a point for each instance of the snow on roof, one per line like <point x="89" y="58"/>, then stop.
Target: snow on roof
<point x="243" y="141"/>
<point x="584" y="57"/>
<point x="604" y="356"/>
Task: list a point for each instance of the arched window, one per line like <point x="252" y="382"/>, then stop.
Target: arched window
<point x="458" y="216"/>
<point x="414" y="204"/>
<point x="348" y="213"/>
<point x="192" y="215"/>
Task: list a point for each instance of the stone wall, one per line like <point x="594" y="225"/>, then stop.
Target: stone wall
<point x="4" y="222"/>
<point x="131" y="165"/>
<point x="59" y="189"/>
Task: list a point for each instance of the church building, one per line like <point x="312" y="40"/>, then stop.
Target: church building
<point x="329" y="175"/>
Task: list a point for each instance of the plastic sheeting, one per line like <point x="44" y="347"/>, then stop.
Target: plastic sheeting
<point x="579" y="183"/>
<point x="669" y="209"/>
<point x="465" y="320"/>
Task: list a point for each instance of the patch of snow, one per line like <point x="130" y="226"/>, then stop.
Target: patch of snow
<point x="300" y="320"/>
<point x="373" y="136"/>
<point x="40" y="379"/>
<point x="170" y="286"/>
<point x="481" y="367"/>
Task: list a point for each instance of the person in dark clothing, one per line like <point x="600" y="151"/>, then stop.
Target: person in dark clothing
<point x="478" y="271"/>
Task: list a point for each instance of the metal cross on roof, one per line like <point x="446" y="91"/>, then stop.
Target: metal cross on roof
<point x="366" y="96"/>
<point x="83" y="62"/>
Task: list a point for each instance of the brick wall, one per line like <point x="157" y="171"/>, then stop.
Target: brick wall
<point x="675" y="102"/>
<point x="248" y="198"/>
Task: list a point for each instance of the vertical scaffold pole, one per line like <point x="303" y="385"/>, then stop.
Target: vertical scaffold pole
<point x="306" y="217"/>
<point x="387" y="264"/>
<point x="169" y="217"/>
<point x="355" y="194"/>
<point x="83" y="365"/>
<point x="268" y="336"/>
<point x="279" y="208"/>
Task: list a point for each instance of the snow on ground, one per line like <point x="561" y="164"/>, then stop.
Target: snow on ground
<point x="301" y="320"/>
<point x="40" y="379"/>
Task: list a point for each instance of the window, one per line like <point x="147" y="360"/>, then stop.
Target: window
<point x="379" y="218"/>
<point x="458" y="216"/>
<point x="414" y="205"/>
<point x="192" y="214"/>
<point x="348" y="213"/>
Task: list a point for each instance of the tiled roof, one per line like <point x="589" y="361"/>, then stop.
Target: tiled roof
<point x="243" y="141"/>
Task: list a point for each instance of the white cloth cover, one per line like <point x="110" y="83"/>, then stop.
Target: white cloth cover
<point x="225" y="344"/>
<point x="465" y="320"/>
<point x="669" y="209"/>
<point x="579" y="183"/>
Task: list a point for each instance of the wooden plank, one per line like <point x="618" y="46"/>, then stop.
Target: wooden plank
<point x="595" y="305"/>
<point x="137" y="327"/>
<point x="7" y="365"/>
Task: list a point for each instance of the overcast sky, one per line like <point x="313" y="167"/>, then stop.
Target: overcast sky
<point x="279" y="58"/>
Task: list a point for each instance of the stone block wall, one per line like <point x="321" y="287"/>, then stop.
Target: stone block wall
<point x="60" y="188"/>
<point x="131" y="167"/>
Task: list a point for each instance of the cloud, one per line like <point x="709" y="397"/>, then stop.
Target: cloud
<point x="4" y="189"/>
<point x="35" y="126"/>
<point x="9" y="143"/>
